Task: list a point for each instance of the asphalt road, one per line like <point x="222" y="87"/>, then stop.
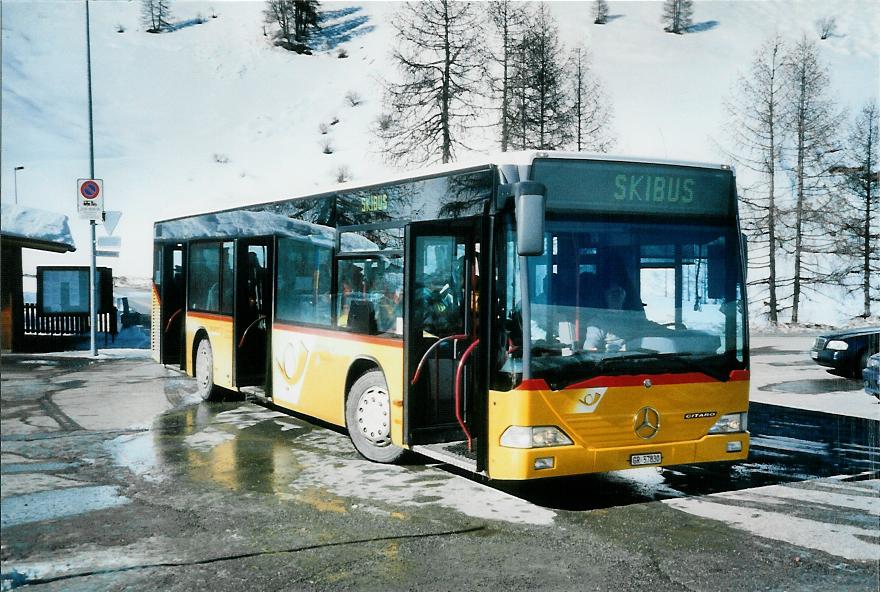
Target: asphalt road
<point x="115" y="477"/>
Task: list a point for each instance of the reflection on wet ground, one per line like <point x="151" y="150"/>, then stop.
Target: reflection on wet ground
<point x="249" y="448"/>
<point x="246" y="447"/>
<point x="811" y="387"/>
<point x="58" y="503"/>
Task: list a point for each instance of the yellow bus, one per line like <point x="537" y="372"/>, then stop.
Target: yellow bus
<point x="537" y="315"/>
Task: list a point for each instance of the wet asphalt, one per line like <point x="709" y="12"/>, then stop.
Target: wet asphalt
<point x="115" y="476"/>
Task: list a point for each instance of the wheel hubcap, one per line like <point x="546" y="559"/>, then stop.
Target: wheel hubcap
<point x="372" y="416"/>
<point x="202" y="369"/>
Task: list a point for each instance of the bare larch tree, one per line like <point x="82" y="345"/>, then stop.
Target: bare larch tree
<point x="296" y="20"/>
<point x="543" y="112"/>
<point x="600" y="12"/>
<point x="860" y="179"/>
<point x="677" y="15"/>
<point x="280" y="12"/>
<point x="440" y="60"/>
<point x="507" y="18"/>
<point x="156" y="15"/>
<point x="755" y="128"/>
<point x="305" y="19"/>
<point x="591" y="113"/>
<point x="812" y="126"/>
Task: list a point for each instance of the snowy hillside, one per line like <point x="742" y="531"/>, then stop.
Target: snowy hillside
<point x="212" y="115"/>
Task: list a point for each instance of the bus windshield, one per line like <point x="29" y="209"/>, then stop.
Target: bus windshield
<point x="627" y="297"/>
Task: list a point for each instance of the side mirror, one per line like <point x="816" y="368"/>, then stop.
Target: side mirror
<point x="530" y="202"/>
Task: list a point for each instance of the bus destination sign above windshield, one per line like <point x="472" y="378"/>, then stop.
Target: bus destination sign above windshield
<point x="601" y="186"/>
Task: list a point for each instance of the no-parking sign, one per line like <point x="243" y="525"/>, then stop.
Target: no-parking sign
<point x="90" y="198"/>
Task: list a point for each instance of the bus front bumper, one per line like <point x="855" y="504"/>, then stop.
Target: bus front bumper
<point x="537" y="463"/>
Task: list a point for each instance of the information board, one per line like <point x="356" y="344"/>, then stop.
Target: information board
<point x="65" y="290"/>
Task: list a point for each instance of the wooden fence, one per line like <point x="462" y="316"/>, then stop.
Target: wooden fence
<point x="66" y="323"/>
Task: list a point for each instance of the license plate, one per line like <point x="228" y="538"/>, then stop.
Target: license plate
<point x="814" y="354"/>
<point x="654" y="458"/>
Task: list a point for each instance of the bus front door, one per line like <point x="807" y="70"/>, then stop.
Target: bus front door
<point x="442" y="356"/>
<point x="171" y="290"/>
<point x="253" y="309"/>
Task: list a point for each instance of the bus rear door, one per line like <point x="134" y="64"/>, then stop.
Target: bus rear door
<point x="253" y="309"/>
<point x="171" y="292"/>
<point x="444" y="406"/>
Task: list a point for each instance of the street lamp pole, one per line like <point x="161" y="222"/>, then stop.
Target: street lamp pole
<point x="93" y="316"/>
<point x="18" y="168"/>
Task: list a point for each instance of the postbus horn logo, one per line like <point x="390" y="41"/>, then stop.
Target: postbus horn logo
<point x="646" y="423"/>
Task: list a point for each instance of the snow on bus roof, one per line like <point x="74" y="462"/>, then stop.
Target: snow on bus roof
<point x="36" y="225"/>
<point x="514" y="158"/>
<point x="237" y="223"/>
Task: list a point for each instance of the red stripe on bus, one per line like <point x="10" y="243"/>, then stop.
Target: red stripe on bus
<point x="388" y="341"/>
<point x="209" y="316"/>
<point x="533" y="384"/>
<point x="738" y="375"/>
<point x="536" y="384"/>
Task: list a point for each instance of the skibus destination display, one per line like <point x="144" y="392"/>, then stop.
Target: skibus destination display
<point x="635" y="188"/>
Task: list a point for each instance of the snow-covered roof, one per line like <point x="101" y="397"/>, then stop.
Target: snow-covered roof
<point x="236" y="223"/>
<point x="39" y="229"/>
<point x="514" y="158"/>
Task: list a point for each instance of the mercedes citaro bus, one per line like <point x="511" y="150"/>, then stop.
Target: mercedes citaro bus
<point x="541" y="314"/>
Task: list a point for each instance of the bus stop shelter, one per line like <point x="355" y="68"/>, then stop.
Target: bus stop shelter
<point x="24" y="228"/>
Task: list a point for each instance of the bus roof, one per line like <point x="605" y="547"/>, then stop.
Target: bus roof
<point x="516" y="159"/>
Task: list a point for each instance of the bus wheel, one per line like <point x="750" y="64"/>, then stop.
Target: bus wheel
<point x="368" y="418"/>
<point x="208" y="391"/>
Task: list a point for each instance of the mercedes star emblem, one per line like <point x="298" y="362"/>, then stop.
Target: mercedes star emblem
<point x="646" y="423"/>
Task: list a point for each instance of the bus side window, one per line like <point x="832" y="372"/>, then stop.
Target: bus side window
<point x="204" y="290"/>
<point x="372" y="288"/>
<point x="303" y="291"/>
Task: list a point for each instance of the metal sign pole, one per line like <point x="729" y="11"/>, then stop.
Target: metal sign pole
<point x="93" y="284"/>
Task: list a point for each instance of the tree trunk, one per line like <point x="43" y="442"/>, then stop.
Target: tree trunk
<point x="444" y="99"/>
<point x="579" y="105"/>
<point x="505" y="80"/>
<point x="799" y="216"/>
<point x="771" y="283"/>
<point x="866" y="283"/>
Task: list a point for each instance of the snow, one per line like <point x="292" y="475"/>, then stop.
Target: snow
<point x="31" y="223"/>
<point x="242" y="223"/>
<point x="741" y="510"/>
<point x="212" y="116"/>
<point x="103" y="354"/>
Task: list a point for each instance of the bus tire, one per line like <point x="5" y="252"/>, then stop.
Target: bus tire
<point x="204" y="371"/>
<point x="368" y="418"/>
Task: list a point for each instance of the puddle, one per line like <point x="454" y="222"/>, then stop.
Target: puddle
<point x="35" y="467"/>
<point x="59" y="503"/>
<point x="812" y="387"/>
<point x="241" y="448"/>
<point x="248" y="416"/>
<point x="136" y="452"/>
<point x="400" y="486"/>
<point x="208" y="438"/>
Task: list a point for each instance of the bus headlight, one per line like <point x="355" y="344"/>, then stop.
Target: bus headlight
<point x="732" y="422"/>
<point x="534" y="437"/>
<point x="837" y="345"/>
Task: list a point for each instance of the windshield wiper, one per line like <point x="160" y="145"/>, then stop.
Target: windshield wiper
<point x="642" y="354"/>
<point x="685" y="361"/>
